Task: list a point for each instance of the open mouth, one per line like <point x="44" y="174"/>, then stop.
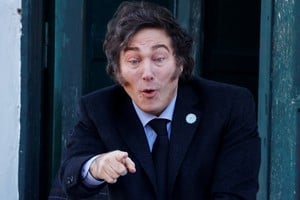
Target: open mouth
<point x="149" y="92"/>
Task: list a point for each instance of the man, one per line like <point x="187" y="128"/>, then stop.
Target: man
<point x="210" y="147"/>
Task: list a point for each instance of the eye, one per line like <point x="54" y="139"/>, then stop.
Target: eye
<point x="134" y="62"/>
<point x="159" y="59"/>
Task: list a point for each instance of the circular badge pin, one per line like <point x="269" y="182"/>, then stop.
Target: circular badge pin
<point x="191" y="118"/>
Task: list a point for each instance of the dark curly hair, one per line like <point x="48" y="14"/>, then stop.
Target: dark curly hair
<point x="131" y="17"/>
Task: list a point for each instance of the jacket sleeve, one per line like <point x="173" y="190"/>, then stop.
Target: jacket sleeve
<point x="83" y="143"/>
<point x="236" y="173"/>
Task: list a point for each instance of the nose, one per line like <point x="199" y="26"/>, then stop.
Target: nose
<point x="148" y="73"/>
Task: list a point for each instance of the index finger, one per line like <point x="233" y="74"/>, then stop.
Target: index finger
<point x="130" y="165"/>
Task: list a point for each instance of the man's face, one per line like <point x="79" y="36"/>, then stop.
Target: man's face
<point x="148" y="70"/>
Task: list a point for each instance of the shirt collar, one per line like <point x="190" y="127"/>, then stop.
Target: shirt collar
<point x="146" y="117"/>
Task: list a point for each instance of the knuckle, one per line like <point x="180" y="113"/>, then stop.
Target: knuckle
<point x="115" y="176"/>
<point x="111" y="180"/>
<point x="106" y="159"/>
<point x="122" y="171"/>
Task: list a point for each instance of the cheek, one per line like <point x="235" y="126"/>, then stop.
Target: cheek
<point x="128" y="78"/>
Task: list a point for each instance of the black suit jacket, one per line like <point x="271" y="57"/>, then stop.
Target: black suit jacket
<point x="216" y="157"/>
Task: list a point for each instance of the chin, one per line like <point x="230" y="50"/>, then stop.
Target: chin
<point x="154" y="112"/>
<point x="150" y="111"/>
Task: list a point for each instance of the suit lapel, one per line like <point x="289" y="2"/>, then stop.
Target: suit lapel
<point x="133" y="134"/>
<point x="182" y="132"/>
<point x="186" y="119"/>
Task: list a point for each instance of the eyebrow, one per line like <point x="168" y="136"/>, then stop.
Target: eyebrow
<point x="153" y="48"/>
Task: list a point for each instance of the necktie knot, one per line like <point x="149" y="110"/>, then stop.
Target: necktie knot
<point x="159" y="125"/>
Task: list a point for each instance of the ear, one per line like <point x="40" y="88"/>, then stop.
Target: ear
<point x="181" y="68"/>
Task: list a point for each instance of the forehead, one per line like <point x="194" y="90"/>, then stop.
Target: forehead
<point x="149" y="37"/>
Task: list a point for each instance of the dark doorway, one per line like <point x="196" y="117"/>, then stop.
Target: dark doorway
<point x="230" y="48"/>
<point x="78" y="68"/>
<point x="231" y="42"/>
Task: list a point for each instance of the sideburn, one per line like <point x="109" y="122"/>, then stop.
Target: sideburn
<point x="177" y="73"/>
<point x="120" y="79"/>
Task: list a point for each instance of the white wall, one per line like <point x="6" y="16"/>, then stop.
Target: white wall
<point x="10" y="67"/>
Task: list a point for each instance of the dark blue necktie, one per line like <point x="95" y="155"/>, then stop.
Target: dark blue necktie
<point x="160" y="152"/>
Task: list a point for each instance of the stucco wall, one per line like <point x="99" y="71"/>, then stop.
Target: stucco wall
<point x="10" y="33"/>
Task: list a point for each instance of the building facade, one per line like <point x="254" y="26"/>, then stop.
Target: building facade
<point x="50" y="55"/>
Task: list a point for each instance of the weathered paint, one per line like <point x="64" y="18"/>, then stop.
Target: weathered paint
<point x="297" y="196"/>
<point x="285" y="98"/>
<point x="264" y="99"/>
<point x="189" y="14"/>
<point x="67" y="80"/>
<point x="10" y="66"/>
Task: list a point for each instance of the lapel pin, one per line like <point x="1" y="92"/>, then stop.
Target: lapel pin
<point x="191" y="118"/>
